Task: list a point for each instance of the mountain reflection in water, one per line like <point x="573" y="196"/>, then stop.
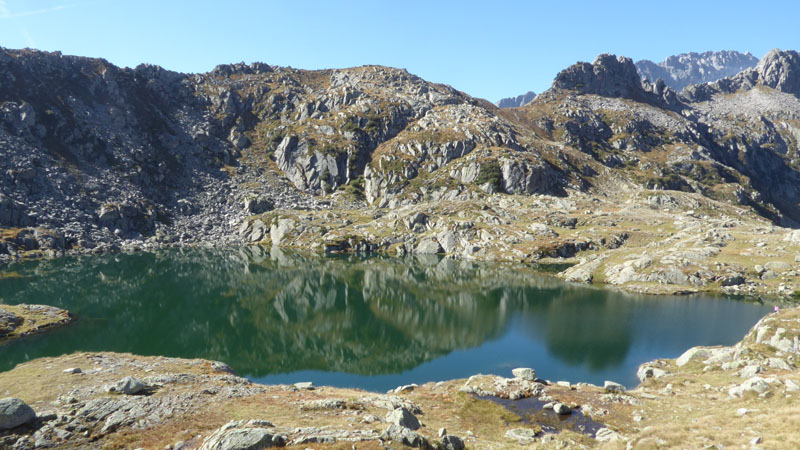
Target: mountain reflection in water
<point x="368" y="322"/>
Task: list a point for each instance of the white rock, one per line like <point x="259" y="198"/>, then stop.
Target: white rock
<point x="791" y="385"/>
<point x="606" y="435"/>
<point x="755" y="384"/>
<point x="691" y="354"/>
<point x="524" y="373"/>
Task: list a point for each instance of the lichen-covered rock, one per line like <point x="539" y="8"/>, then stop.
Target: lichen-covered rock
<point x="239" y="436"/>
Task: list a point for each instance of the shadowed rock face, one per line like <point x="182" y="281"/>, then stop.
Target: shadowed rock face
<point x="607" y="76"/>
<point x="679" y="71"/>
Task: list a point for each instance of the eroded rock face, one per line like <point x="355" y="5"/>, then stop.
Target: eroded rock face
<point x="607" y="75"/>
<point x="780" y="70"/>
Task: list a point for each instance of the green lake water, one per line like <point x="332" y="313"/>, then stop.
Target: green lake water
<point x="373" y="323"/>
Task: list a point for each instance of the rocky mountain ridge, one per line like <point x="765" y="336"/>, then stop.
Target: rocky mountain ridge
<point x="327" y="159"/>
<point x="676" y="72"/>
<point x="516" y="102"/>
<point x="680" y="71"/>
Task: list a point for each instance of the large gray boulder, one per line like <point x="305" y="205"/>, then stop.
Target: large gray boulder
<point x="14" y="412"/>
<point x="127" y="386"/>
<point x="404" y="436"/>
<point x="404" y="418"/>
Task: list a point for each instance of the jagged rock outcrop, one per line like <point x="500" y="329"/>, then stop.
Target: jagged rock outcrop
<point x="516" y="102"/>
<point x="608" y="76"/>
<point x="679" y="71"/>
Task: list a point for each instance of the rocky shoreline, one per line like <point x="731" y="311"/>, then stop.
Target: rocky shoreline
<point x="709" y="396"/>
<point x="23" y="320"/>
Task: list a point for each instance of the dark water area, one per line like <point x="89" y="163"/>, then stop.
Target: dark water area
<point x="531" y="411"/>
<point x="367" y="322"/>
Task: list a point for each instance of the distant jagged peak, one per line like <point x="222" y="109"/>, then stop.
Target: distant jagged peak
<point x="679" y="71"/>
<point x="778" y="69"/>
<point x="608" y="75"/>
<point x="516" y="102"/>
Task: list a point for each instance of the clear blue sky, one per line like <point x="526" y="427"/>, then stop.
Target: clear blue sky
<point x="489" y="49"/>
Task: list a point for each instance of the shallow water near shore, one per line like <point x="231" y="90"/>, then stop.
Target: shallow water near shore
<point x="366" y="322"/>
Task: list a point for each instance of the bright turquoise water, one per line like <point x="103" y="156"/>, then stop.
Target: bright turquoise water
<point x="372" y="323"/>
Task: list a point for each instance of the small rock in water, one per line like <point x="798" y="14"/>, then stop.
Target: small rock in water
<point x="14" y="412"/>
<point x="524" y="373"/>
<point x="561" y="409"/>
<point x="611" y="386"/>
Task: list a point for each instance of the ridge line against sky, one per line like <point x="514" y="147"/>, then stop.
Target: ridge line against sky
<point x="495" y="50"/>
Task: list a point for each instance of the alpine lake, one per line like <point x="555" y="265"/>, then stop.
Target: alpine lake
<point x="374" y="323"/>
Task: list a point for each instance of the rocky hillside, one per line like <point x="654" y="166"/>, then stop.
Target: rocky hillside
<point x="372" y="158"/>
<point x="516" y="102"/>
<point x="679" y="71"/>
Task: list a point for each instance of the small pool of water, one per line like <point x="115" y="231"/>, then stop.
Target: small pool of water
<point x="373" y="323"/>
